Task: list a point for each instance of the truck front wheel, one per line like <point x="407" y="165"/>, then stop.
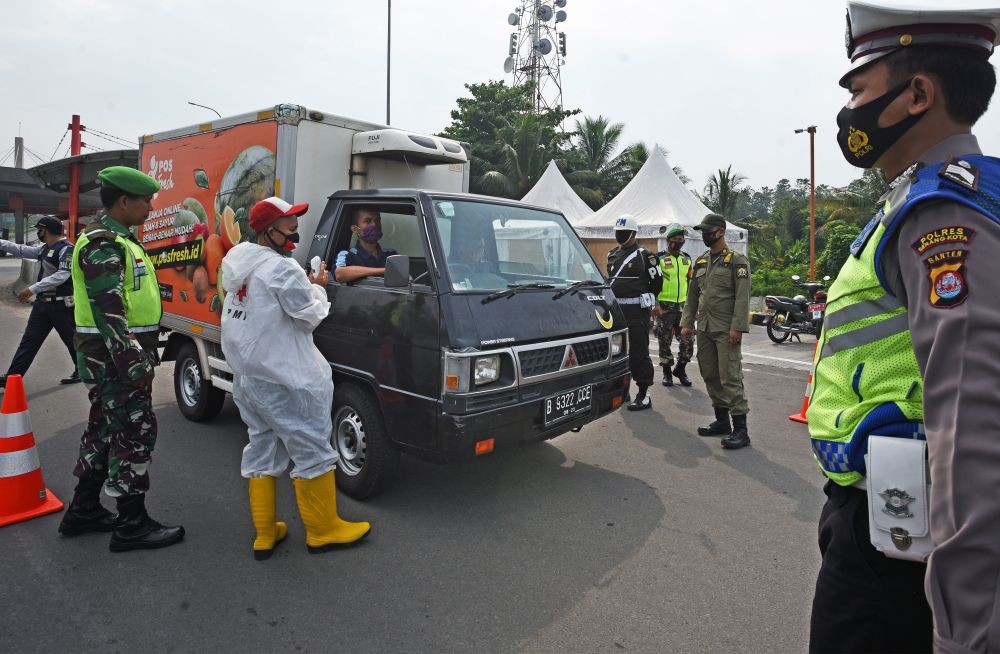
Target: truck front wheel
<point x="368" y="459"/>
<point x="198" y="400"/>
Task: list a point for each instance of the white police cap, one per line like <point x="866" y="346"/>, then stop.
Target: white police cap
<point x="626" y="223"/>
<point x="876" y="29"/>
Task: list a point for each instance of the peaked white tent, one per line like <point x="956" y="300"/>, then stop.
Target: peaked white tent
<point x="657" y="198"/>
<point x="553" y="192"/>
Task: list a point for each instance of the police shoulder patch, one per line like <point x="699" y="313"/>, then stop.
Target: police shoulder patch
<point x="742" y="271"/>
<point x="942" y="236"/>
<point x="949" y="281"/>
<point x="961" y="172"/>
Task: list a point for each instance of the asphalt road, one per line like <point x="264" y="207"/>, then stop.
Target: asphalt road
<point x="633" y="535"/>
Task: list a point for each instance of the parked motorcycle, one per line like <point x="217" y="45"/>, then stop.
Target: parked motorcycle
<point x="799" y="314"/>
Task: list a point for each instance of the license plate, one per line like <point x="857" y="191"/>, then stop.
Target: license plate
<point x="568" y="404"/>
<point x="817" y="315"/>
<point x="817" y="310"/>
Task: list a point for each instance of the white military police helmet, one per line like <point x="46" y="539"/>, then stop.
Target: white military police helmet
<point x="626" y="223"/>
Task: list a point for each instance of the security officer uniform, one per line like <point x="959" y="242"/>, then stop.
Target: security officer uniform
<point x="53" y="304"/>
<point x="719" y="297"/>
<point x="636" y="281"/>
<point x="676" y="268"/>
<point x="117" y="301"/>
<point x="908" y="355"/>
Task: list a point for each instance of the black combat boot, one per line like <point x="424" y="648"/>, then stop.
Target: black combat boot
<point x="641" y="401"/>
<point x="85" y="512"/>
<point x="668" y="379"/>
<point x="740" y="437"/>
<point x="720" y="427"/>
<point x="137" y="531"/>
<point x="681" y="374"/>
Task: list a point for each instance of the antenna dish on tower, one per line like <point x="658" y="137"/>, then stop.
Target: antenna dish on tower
<point x="514" y="20"/>
<point x="560" y="16"/>
<point x="544" y="46"/>
<point x="544" y="13"/>
<point x="508" y="65"/>
<point x="560" y="3"/>
<point x="537" y="51"/>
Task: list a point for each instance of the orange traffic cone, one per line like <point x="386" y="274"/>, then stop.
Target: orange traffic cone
<point x="22" y="490"/>
<point x="801" y="415"/>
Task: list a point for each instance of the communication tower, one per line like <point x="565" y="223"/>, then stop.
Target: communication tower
<point x="537" y="49"/>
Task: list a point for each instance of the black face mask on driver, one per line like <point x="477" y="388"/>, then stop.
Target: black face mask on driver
<point x="622" y="236"/>
<point x="860" y="138"/>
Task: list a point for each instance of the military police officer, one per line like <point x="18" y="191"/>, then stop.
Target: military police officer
<point x="906" y="376"/>
<point x="53" y="293"/>
<point x="719" y="299"/>
<point x="676" y="267"/>
<point x="117" y="301"/>
<point x="636" y="281"/>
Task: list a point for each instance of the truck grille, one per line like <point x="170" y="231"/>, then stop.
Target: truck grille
<point x="546" y="360"/>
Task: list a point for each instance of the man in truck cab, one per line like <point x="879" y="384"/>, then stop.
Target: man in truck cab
<point x="366" y="257"/>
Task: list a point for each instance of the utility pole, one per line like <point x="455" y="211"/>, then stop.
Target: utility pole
<point x="76" y="145"/>
<point x="388" y="60"/>
<point x="812" y="199"/>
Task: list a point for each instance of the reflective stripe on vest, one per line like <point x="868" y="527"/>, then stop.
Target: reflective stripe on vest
<point x="140" y="290"/>
<point x="865" y="375"/>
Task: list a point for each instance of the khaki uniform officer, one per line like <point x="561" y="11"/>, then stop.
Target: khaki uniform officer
<point x="719" y="297"/>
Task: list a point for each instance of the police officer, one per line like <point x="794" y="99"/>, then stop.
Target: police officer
<point x="909" y="346"/>
<point x="118" y="310"/>
<point x="636" y="280"/>
<point x="719" y="298"/>
<point x="676" y="267"/>
<point x="53" y="292"/>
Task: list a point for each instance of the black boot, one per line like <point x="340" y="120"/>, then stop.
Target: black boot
<point x="720" y="427"/>
<point x="85" y="512"/>
<point x="668" y="379"/>
<point x="641" y="401"/>
<point x="137" y="531"/>
<point x="740" y="437"/>
<point x="681" y="374"/>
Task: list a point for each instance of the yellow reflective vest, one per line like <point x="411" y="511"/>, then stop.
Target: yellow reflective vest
<point x="676" y="269"/>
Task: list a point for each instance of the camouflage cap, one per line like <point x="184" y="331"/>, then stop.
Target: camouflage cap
<point x="712" y="221"/>
<point x="129" y="180"/>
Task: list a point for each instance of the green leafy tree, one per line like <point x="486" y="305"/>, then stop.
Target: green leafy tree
<point x="525" y="149"/>
<point x="838" y="237"/>
<point x="724" y="193"/>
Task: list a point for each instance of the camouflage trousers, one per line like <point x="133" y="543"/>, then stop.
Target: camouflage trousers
<point x="666" y="329"/>
<point x="121" y="429"/>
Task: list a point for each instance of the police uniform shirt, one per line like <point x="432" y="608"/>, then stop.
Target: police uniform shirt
<point x="639" y="274"/>
<point x="52" y="272"/>
<point x="954" y="322"/>
<point x="358" y="256"/>
<point x="719" y="293"/>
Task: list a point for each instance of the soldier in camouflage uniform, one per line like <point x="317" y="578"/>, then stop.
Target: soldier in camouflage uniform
<point x="118" y="312"/>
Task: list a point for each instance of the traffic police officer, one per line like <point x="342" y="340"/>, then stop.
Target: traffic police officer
<point x="53" y="291"/>
<point x="676" y="267"/>
<point x="719" y="298"/>
<point x="118" y="310"/>
<point x="636" y="281"/>
<point x="908" y="352"/>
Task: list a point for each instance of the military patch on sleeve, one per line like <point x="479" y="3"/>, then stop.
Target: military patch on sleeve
<point x="949" y="285"/>
<point x="943" y="235"/>
<point x="742" y="271"/>
<point x="960" y="172"/>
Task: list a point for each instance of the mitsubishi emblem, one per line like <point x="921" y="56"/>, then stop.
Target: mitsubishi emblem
<point x="569" y="359"/>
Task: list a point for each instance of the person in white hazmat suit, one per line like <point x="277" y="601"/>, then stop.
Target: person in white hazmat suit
<point x="281" y="383"/>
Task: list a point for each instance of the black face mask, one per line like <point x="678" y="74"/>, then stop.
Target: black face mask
<point x="860" y="138"/>
<point x="622" y="236"/>
<point x="710" y="238"/>
<point x="40" y="234"/>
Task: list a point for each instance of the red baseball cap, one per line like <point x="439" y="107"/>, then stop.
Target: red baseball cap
<point x="268" y="210"/>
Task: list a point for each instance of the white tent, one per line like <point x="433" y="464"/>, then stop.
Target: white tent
<point x="657" y="198"/>
<point x="553" y="192"/>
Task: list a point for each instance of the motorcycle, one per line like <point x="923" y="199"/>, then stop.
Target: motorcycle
<point x="792" y="316"/>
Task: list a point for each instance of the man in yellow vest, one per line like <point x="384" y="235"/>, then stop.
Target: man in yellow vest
<point x="676" y="267"/>
<point x="117" y="307"/>
<point x="907" y="368"/>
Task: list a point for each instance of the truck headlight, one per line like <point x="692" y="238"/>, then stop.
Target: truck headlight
<point x="617" y="344"/>
<point x="487" y="369"/>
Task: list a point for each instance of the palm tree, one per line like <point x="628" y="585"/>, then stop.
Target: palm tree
<point x="525" y="148"/>
<point x="723" y="192"/>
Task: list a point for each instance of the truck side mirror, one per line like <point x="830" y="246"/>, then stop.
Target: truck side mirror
<point x="397" y="271"/>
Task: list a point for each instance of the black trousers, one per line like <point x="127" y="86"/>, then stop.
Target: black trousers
<point x="865" y="601"/>
<point x="639" y="361"/>
<point x="45" y="316"/>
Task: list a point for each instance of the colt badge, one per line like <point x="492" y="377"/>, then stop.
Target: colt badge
<point x="896" y="503"/>
<point x="900" y="538"/>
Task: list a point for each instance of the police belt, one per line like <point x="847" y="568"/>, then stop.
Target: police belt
<point x="664" y="304"/>
<point x="51" y="298"/>
<point x="629" y="300"/>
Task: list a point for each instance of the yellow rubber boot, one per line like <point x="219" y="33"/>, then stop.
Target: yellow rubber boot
<point x="325" y="530"/>
<point x="269" y="532"/>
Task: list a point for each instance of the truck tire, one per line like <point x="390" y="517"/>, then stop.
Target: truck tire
<point x="368" y="459"/>
<point x="198" y="400"/>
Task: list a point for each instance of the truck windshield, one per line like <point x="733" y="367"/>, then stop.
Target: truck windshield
<point x="494" y="246"/>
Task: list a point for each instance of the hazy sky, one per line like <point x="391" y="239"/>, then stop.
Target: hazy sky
<point x="715" y="83"/>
